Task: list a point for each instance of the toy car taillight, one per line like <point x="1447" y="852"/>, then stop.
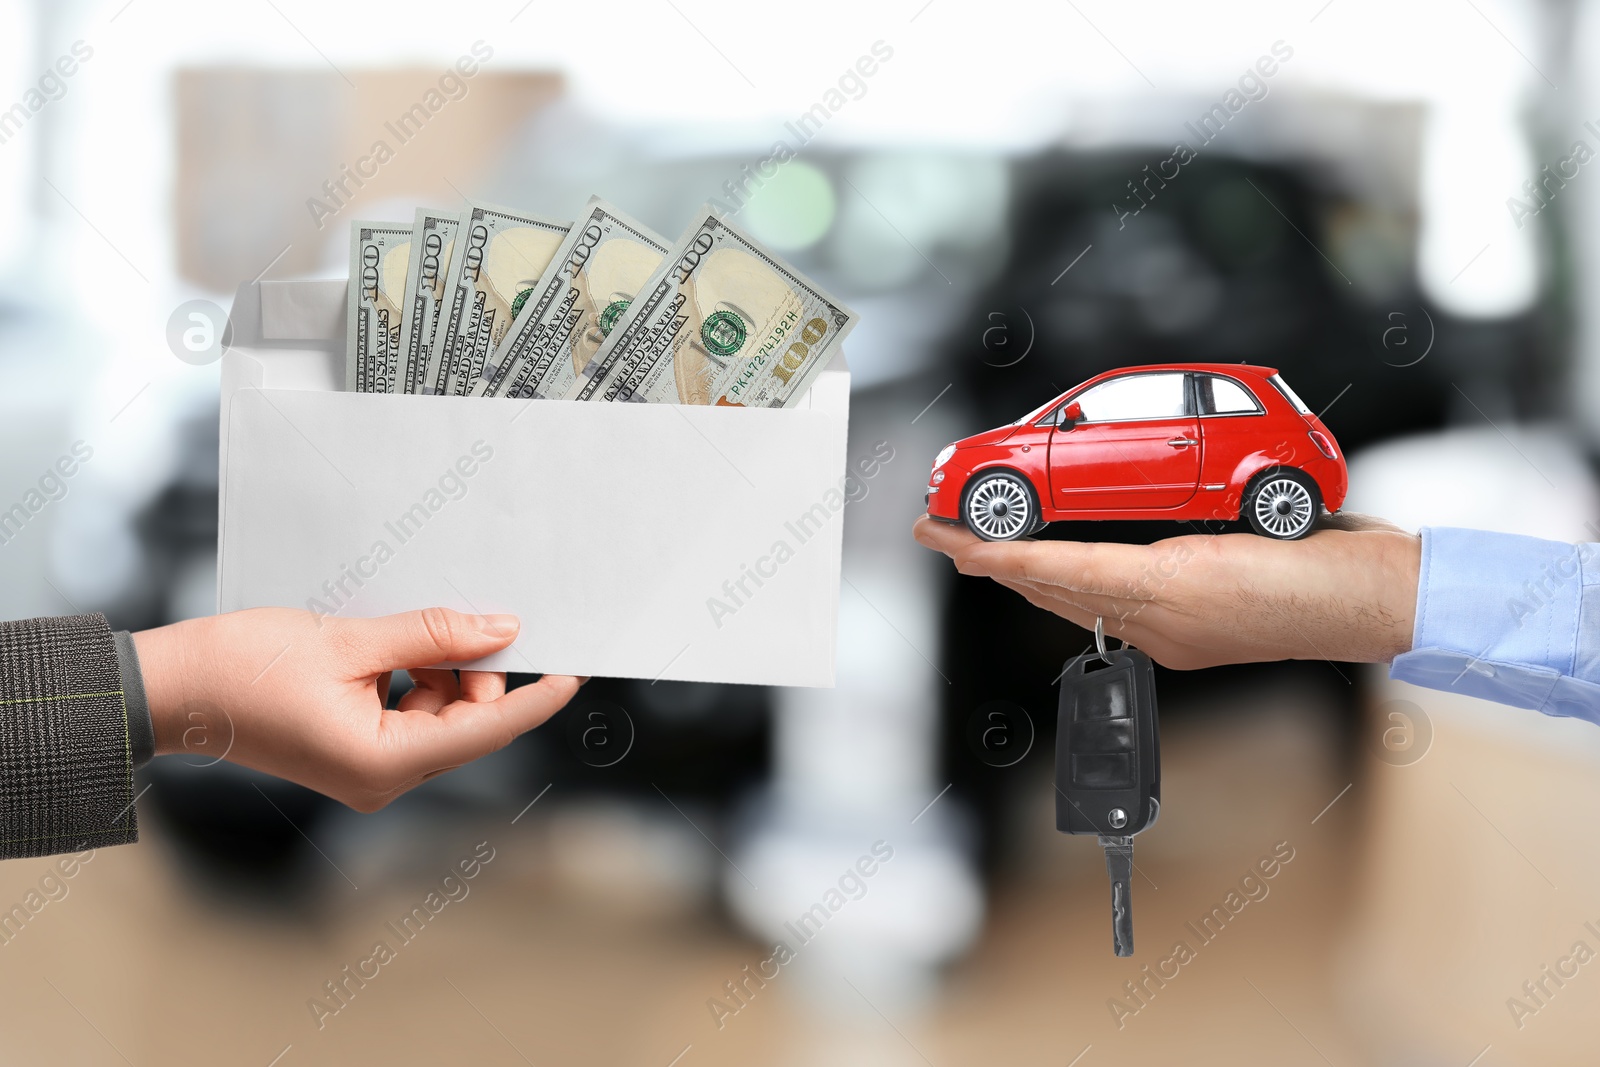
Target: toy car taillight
<point x="1324" y="446"/>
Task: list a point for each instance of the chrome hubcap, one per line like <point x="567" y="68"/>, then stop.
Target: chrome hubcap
<point x="999" y="508"/>
<point x="1284" y="507"/>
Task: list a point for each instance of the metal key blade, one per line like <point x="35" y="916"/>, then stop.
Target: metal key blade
<point x="1119" y="865"/>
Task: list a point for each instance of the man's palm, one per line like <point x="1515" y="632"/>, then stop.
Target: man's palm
<point x="1347" y="592"/>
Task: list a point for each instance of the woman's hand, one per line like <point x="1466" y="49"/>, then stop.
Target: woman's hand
<point x="302" y="696"/>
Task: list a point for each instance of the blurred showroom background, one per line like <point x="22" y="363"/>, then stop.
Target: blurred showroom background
<point x="1397" y="217"/>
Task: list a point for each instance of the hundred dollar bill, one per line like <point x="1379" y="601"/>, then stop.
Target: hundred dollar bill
<point x="499" y="257"/>
<point x="721" y="321"/>
<point x="432" y="238"/>
<point x="379" y="252"/>
<point x="584" y="291"/>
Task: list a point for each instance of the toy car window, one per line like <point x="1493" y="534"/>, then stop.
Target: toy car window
<point x="1137" y="396"/>
<point x="1223" y="396"/>
<point x="1289" y="394"/>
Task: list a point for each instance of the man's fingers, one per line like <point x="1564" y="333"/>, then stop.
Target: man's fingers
<point x="1052" y="600"/>
<point x="1105" y="606"/>
<point x="1356" y="523"/>
<point x="1100" y="568"/>
<point x="942" y="536"/>
<point x="424" y="638"/>
<point x="1126" y="628"/>
<point x="1041" y="598"/>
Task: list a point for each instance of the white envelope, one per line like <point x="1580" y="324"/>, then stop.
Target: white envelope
<point x="633" y="540"/>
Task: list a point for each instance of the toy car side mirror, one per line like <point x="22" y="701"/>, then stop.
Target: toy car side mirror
<point x="1071" y="415"/>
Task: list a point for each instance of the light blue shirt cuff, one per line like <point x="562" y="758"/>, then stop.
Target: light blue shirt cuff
<point x="1508" y="618"/>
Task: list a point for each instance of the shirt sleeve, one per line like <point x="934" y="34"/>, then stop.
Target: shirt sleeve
<point x="1508" y="618"/>
<point x="141" y="729"/>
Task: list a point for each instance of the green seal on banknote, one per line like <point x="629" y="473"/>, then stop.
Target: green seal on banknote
<point x="520" y="299"/>
<point x="613" y="312"/>
<point x="723" y="332"/>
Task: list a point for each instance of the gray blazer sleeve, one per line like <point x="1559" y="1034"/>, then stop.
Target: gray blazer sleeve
<point x="66" y="759"/>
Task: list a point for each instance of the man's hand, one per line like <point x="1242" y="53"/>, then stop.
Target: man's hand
<point x="1347" y="592"/>
<point x="303" y="699"/>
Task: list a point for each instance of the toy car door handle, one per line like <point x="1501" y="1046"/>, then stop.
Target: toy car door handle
<point x="1182" y="442"/>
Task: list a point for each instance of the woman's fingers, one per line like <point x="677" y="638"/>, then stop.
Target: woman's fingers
<point x="464" y="730"/>
<point x="423" y="638"/>
<point x="432" y="690"/>
<point x="480" y="687"/>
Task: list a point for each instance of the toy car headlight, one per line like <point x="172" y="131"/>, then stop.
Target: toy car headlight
<point x="938" y="478"/>
<point x="944" y="456"/>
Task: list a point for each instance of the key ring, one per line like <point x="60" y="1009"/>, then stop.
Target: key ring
<point x="1100" y="639"/>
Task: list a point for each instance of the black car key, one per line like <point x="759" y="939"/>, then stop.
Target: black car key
<point x="1108" y="763"/>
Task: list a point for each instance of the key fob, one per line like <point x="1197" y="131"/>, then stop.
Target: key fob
<point x="1108" y="764"/>
<point x="1108" y="758"/>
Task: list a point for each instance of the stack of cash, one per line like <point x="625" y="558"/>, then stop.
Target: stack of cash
<point x="497" y="302"/>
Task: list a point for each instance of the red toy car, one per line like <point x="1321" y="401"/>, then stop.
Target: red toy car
<point x="1174" y="441"/>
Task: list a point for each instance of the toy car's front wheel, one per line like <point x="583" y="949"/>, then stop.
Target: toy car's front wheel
<point x="1282" y="503"/>
<point x="999" y="506"/>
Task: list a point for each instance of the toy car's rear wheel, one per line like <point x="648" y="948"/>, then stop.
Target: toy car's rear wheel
<point x="999" y="506"/>
<point x="1282" y="503"/>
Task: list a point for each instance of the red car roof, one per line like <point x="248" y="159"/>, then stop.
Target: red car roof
<point x="1209" y="368"/>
